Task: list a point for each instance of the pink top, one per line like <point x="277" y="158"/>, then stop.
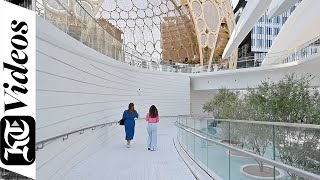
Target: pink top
<point x="152" y="120"/>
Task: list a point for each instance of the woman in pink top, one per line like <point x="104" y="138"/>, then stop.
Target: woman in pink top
<point x="152" y="119"/>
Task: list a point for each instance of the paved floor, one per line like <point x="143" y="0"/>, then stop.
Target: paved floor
<point x="115" y="161"/>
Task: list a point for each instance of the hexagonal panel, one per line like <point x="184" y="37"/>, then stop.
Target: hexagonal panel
<point x="211" y="15"/>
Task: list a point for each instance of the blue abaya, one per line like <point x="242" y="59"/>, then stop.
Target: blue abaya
<point x="129" y="123"/>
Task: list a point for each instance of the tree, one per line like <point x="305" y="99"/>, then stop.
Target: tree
<point x="298" y="147"/>
<point x="225" y="105"/>
<point x="290" y="100"/>
<point x="258" y="139"/>
<point x="228" y="105"/>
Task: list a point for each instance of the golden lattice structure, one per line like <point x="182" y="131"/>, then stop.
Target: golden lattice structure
<point x="214" y="23"/>
<point x="179" y="41"/>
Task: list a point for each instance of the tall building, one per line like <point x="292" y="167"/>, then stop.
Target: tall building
<point x="255" y="46"/>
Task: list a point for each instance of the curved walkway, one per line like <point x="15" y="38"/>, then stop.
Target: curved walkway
<point x="115" y="161"/>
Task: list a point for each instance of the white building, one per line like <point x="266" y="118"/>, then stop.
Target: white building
<point x="255" y="46"/>
<point x="265" y="31"/>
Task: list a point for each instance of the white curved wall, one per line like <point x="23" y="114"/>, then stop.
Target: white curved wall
<point x="79" y="87"/>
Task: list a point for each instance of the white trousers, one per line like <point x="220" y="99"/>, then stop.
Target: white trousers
<point x="152" y="135"/>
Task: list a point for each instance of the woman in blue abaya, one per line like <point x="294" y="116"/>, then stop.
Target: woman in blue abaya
<point x="129" y="122"/>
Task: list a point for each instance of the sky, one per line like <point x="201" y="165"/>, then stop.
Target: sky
<point x="234" y="3"/>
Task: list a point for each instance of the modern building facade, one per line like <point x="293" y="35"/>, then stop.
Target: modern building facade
<point x="256" y="45"/>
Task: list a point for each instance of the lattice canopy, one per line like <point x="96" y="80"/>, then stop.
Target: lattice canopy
<point x="186" y="31"/>
<point x="141" y="21"/>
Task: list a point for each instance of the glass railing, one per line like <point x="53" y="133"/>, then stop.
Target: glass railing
<point x="303" y="51"/>
<point x="248" y="62"/>
<point x="177" y="68"/>
<point x="235" y="149"/>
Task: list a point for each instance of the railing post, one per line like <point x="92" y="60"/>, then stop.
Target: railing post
<point x="274" y="149"/>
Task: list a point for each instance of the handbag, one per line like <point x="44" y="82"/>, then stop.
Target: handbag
<point x="121" y="122"/>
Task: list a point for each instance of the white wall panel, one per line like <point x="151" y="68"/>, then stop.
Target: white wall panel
<point x="251" y="77"/>
<point x="198" y="99"/>
<point x="78" y="87"/>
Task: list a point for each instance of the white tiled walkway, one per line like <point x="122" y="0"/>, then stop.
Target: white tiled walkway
<point x="115" y="161"/>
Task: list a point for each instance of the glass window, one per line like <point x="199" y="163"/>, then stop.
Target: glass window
<point x="260" y="30"/>
<point x="270" y="31"/>
<point x="284" y="19"/>
<point x="259" y="42"/>
<point x="276" y="31"/>
<point x="266" y="30"/>
<point x="268" y="43"/>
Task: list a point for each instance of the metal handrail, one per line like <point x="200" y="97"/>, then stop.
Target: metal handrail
<point x="294" y="170"/>
<point x="41" y="143"/>
<point x="295" y="125"/>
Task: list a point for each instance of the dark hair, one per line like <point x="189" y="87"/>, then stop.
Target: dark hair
<point x="153" y="111"/>
<point x="131" y="108"/>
